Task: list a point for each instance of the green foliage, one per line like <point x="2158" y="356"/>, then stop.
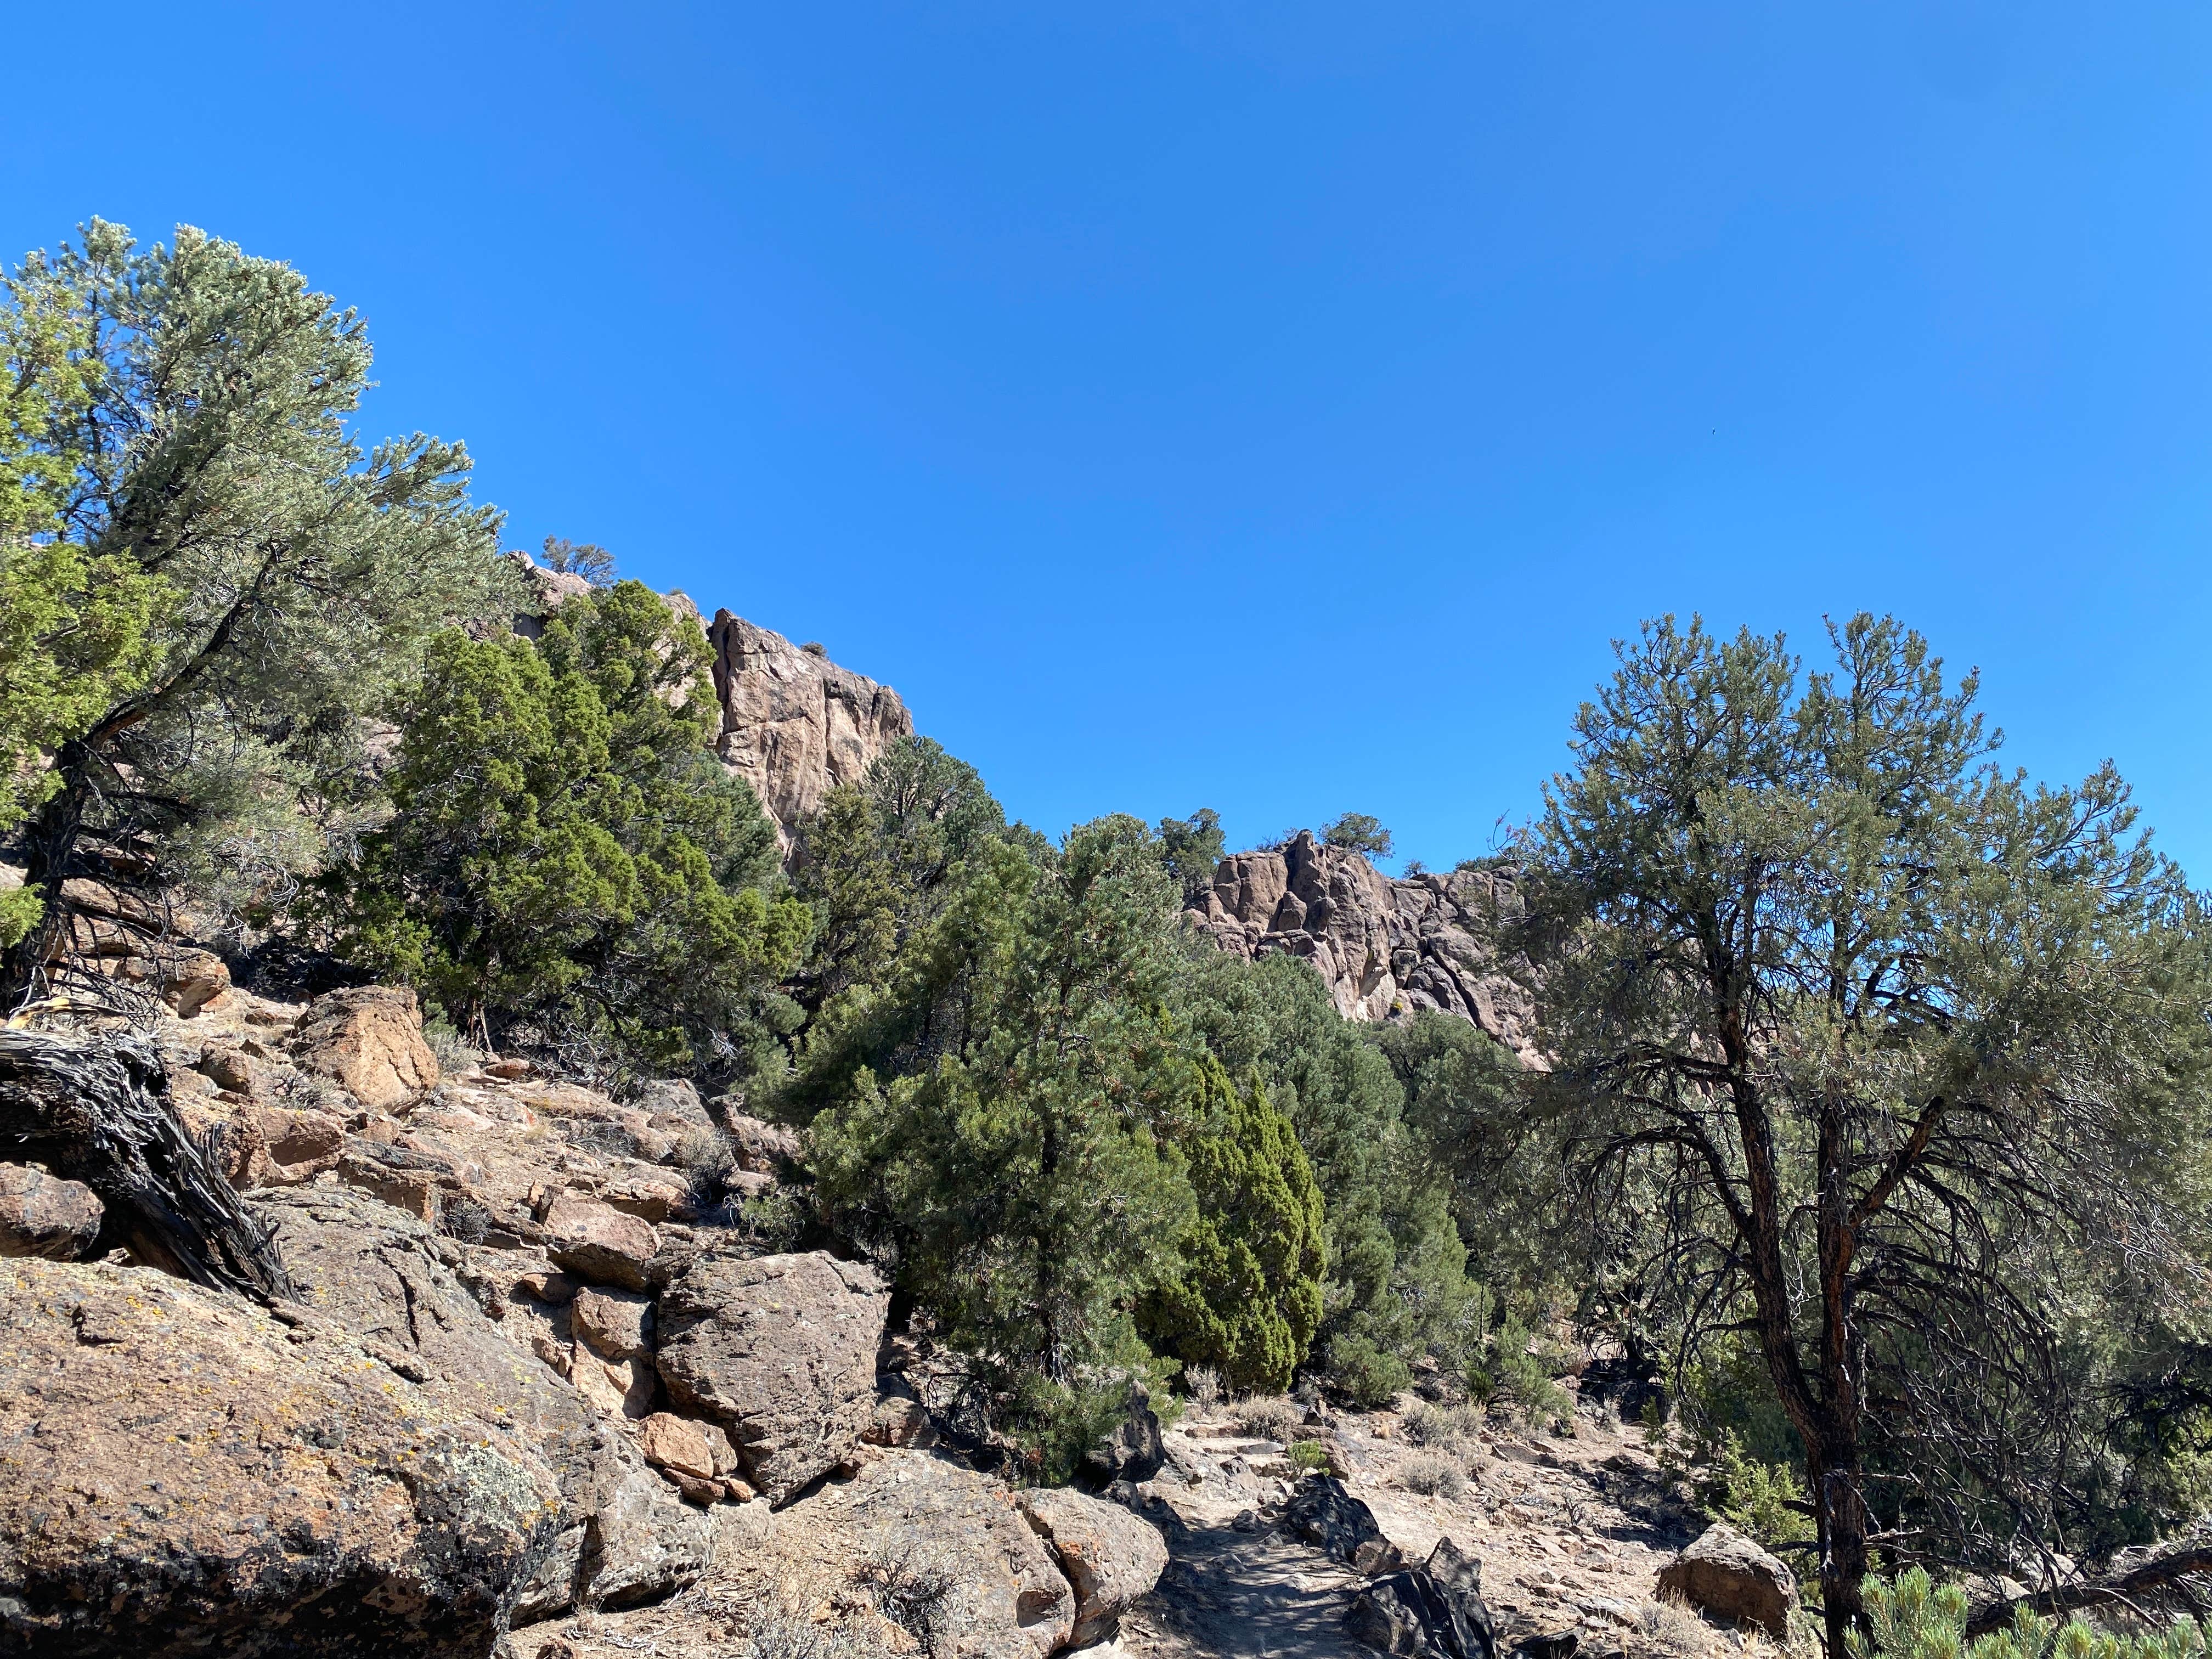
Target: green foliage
<point x="585" y="559"/>
<point x="1310" y="1457"/>
<point x="565" y="853"/>
<point x="1191" y="850"/>
<point x="298" y="575"/>
<point x="1018" y="1158"/>
<point x="1822" y="984"/>
<point x="1913" y="1617"/>
<point x="73" y="626"/>
<point x="1245" y="1295"/>
<point x="1513" y="1376"/>
<point x="1357" y="832"/>
<point x="1396" y="1274"/>
<point x="1367" y="1376"/>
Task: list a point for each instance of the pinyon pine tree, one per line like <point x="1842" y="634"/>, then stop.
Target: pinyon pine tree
<point x="1877" y="1051"/>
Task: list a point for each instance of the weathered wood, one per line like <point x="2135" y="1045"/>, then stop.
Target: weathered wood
<point x="2140" y="1580"/>
<point x="96" y="1110"/>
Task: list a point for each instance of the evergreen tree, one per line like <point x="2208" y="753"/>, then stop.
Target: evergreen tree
<point x="1021" y="1171"/>
<point x="73" y="626"/>
<point x="565" y="853"/>
<point x="1906" y="1056"/>
<point x="210" y="460"/>
<point x="1245" y="1294"/>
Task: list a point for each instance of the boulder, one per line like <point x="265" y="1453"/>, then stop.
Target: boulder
<point x="1435" y="1610"/>
<point x="1132" y="1451"/>
<point x="367" y="1039"/>
<point x="182" y="1474"/>
<point x="781" y="1351"/>
<point x="1724" y="1572"/>
<point x="40" y="1215"/>
<point x="394" y="1283"/>
<point x="763" y="1148"/>
<point x="1322" y="1513"/>
<point x="598" y="1242"/>
<point x="618" y="1324"/>
<point x="1110" y="1557"/>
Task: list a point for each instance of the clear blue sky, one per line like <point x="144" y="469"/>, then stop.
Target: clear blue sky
<point x="1267" y="406"/>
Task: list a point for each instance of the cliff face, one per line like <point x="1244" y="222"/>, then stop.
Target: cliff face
<point x="794" y="723"/>
<point x="1385" y="949"/>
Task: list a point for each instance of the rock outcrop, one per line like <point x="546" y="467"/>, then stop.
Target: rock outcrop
<point x="1726" y="1573"/>
<point x="182" y="1474"/>
<point x="1434" y="1611"/>
<point x="779" y="1350"/>
<point x="1385" y="948"/>
<point x="794" y="725"/>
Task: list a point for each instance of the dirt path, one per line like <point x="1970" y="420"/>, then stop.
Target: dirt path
<point x="1571" y="1531"/>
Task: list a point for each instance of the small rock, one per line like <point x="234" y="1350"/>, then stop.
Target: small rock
<point x="43" y="1216"/>
<point x="508" y="1071"/>
<point x="1133" y="1450"/>
<point x="900" y="1421"/>
<point x="1726" y="1573"/>
<point x="675" y="1443"/>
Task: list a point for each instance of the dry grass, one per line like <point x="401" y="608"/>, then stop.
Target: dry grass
<point x="1270" y="1417"/>
<point x="1434" y="1474"/>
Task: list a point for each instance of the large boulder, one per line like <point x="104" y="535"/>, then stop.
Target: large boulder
<point x="40" y="1215"/>
<point x="368" y="1039"/>
<point x="779" y="1350"/>
<point x="1434" y="1611"/>
<point x="1726" y="1573"/>
<point x="1322" y="1512"/>
<point x="182" y="1474"/>
<point x="1110" y="1557"/>
<point x="394" y="1284"/>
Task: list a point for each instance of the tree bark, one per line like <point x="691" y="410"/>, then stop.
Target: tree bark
<point x="96" y="1110"/>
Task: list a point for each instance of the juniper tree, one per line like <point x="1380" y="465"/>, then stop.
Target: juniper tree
<point x="1870" y="1048"/>
<point x="1244" y="1296"/>
<point x="210" y="457"/>
<point x="566" y="853"/>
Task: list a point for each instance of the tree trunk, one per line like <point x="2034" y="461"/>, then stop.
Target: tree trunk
<point x="1843" y="1547"/>
<point x="96" y="1110"/>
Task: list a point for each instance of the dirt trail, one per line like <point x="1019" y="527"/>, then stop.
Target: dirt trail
<point x="1571" y="1531"/>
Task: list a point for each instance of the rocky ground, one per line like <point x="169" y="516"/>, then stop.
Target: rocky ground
<point x="540" y="1386"/>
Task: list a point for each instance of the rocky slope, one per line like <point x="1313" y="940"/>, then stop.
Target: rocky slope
<point x="533" y="1371"/>
<point x="1385" y="948"/>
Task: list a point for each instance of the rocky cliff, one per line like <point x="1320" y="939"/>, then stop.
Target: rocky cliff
<point x="794" y="725"/>
<point x="1385" y="948"/>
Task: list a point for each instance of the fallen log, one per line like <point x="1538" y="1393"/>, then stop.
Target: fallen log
<point x="2140" y="1581"/>
<point x="96" y="1110"/>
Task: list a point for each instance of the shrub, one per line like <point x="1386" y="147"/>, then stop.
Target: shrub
<point x="1270" y="1417"/>
<point x="1310" y="1457"/>
<point x="1435" y="1474"/>
<point x="1365" y="1374"/>
<point x="1448" y="1429"/>
<point x="1203" y="1383"/>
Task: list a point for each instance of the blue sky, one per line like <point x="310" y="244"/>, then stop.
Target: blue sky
<point x="1274" y="407"/>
